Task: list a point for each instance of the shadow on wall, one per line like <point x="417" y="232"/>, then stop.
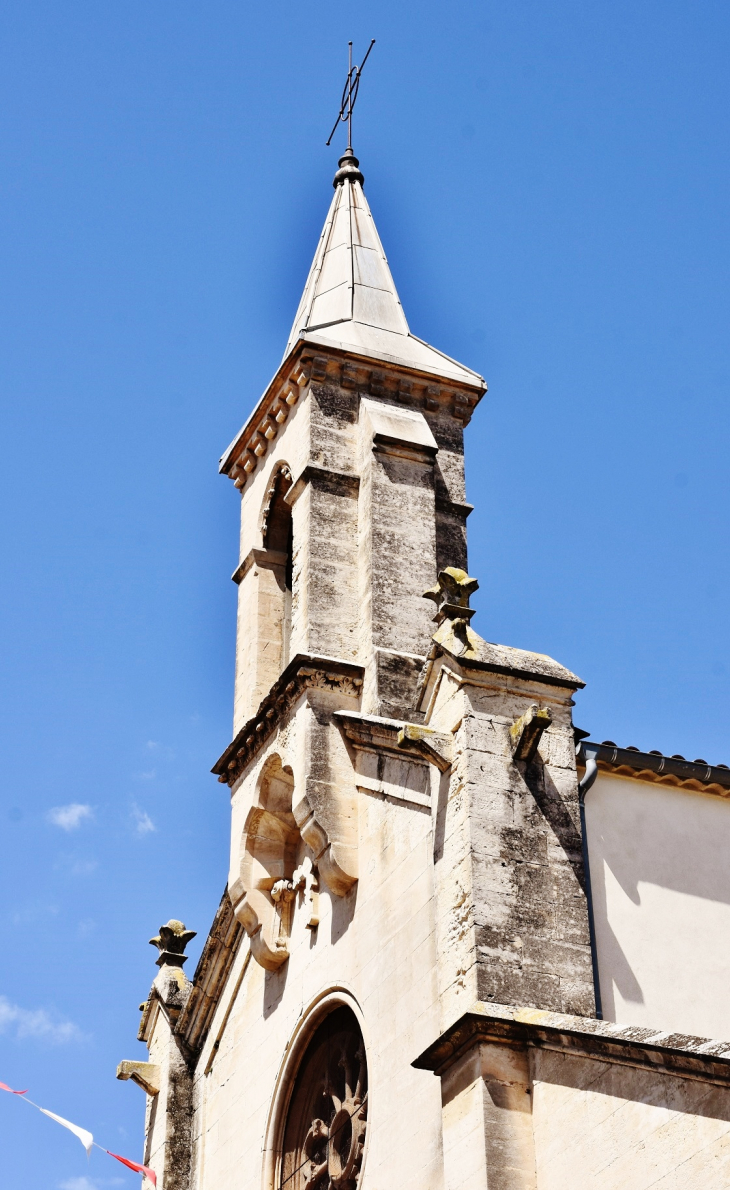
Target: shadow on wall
<point x="660" y="882"/>
<point x="343" y="911"/>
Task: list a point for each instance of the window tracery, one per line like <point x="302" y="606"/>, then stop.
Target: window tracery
<point x="324" y="1133"/>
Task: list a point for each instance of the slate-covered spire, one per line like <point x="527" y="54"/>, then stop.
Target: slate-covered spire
<point x="350" y="300"/>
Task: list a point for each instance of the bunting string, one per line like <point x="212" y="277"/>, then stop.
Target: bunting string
<point x="83" y="1134"/>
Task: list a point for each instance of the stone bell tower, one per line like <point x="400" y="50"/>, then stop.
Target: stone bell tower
<point x="351" y="472"/>
<point x="405" y="833"/>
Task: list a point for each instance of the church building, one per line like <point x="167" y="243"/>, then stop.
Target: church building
<point x="461" y="946"/>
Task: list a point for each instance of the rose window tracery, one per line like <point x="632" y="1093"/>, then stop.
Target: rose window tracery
<point x="324" y="1135"/>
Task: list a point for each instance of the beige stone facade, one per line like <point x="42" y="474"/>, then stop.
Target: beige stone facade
<point x="399" y="988"/>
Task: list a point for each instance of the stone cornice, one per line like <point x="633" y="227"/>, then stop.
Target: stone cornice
<point x="307" y="365"/>
<point x="252" y="442"/>
<point x="303" y="672"/>
<point x="627" y="1045"/>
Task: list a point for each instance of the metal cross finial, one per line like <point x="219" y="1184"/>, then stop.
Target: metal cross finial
<point x="349" y="95"/>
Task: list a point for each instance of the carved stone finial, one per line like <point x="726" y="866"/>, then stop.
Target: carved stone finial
<point x="171" y="942"/>
<point x="451" y="596"/>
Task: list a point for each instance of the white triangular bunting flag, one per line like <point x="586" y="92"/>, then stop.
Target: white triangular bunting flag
<point x="85" y="1137"/>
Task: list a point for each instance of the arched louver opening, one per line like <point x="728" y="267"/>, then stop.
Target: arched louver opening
<point x="278" y="540"/>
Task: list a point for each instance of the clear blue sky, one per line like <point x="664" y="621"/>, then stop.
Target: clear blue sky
<point x="550" y="181"/>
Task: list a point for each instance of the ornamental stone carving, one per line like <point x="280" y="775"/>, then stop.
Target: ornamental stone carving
<point x="261" y="893"/>
<point x="171" y="942"/>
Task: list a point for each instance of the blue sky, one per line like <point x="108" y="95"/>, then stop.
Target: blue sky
<point x="550" y="181"/>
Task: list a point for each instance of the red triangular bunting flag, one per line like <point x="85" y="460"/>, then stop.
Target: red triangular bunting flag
<point x="150" y="1173"/>
<point x="5" y="1087"/>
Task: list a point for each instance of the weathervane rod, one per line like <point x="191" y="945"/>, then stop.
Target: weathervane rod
<point x="349" y="94"/>
<point x="349" y="112"/>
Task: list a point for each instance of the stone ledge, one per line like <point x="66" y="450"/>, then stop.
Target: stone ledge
<point x="270" y="559"/>
<point x="676" y="1054"/>
<point x="374" y="733"/>
<point x="453" y="507"/>
<point x="337" y="483"/>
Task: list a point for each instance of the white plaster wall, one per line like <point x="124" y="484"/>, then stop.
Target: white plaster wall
<point x="660" y="877"/>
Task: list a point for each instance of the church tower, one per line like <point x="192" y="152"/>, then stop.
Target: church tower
<point x="405" y="828"/>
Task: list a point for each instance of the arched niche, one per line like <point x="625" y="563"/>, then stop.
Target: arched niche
<point x="261" y="892"/>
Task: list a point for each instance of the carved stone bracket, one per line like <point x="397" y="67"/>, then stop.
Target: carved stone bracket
<point x="526" y="732"/>
<point x="145" y="1074"/>
<point x="323" y="823"/>
<point x="261" y="891"/>
<point x="433" y="746"/>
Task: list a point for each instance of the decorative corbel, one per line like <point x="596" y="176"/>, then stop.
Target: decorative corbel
<point x="259" y="885"/>
<point x="433" y="746"/>
<point x="145" y="1074"/>
<point x="258" y="894"/>
<point x="336" y="859"/>
<point x="525" y="732"/>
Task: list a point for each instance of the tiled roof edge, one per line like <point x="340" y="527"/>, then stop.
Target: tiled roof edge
<point x="660" y="766"/>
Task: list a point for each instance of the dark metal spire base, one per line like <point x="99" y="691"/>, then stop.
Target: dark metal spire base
<point x="348" y="171"/>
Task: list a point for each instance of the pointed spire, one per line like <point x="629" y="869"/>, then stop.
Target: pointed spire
<point x="350" y="300"/>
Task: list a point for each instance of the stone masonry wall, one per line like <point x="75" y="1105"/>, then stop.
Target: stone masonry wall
<point x="377" y="945"/>
<point x="513" y="917"/>
<point x="371" y="528"/>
